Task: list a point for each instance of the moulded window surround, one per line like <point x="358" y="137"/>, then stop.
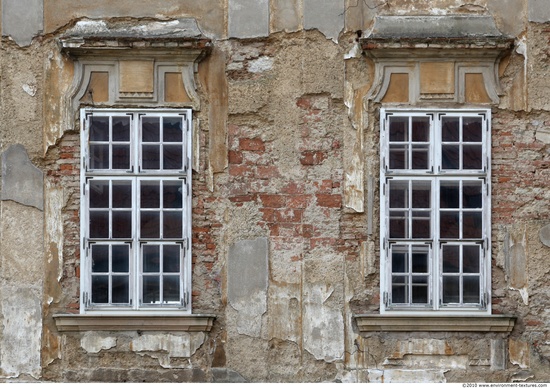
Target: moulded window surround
<point x="136" y="211"/>
<point x="435" y="211"/>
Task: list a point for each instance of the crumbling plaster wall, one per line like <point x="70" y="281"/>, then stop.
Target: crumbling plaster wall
<point x="286" y="91"/>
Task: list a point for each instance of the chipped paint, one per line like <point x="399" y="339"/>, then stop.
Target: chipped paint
<point x="95" y="342"/>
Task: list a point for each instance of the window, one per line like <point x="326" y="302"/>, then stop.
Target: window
<point x="435" y="210"/>
<point x="135" y="210"/>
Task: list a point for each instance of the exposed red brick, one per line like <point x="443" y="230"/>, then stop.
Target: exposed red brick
<point x="255" y="144"/>
<point x="235" y="157"/>
<point x="311" y="158"/>
<point x="273" y="200"/>
<point x="329" y="200"/>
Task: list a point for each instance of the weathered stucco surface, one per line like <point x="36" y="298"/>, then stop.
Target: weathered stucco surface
<point x="286" y="189"/>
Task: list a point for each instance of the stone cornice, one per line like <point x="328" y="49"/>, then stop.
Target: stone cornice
<point x="120" y="322"/>
<point x="481" y="323"/>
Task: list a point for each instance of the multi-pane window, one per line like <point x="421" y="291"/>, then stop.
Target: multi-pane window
<point x="435" y="210"/>
<point x="135" y="208"/>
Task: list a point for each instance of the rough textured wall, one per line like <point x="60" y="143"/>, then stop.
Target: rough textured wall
<point x="281" y="253"/>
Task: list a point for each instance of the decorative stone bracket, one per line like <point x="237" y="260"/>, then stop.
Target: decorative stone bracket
<point x="131" y="63"/>
<point x="443" y="59"/>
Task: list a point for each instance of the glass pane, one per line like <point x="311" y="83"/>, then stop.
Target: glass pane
<point x="99" y="128"/>
<point x="120" y="293"/>
<point x="420" y="262"/>
<point x="121" y="157"/>
<point x="451" y="289"/>
<point x="150" y="224"/>
<point x="151" y="289"/>
<point x="398" y="225"/>
<point x="121" y="258"/>
<point x="173" y="129"/>
<point x="99" y="194"/>
<point x="450" y="129"/>
<point x="420" y="289"/>
<point x="99" y="156"/>
<point x="398" y="156"/>
<point x="172" y="157"/>
<point x="151" y="258"/>
<point x="172" y="224"/>
<point x="122" y="194"/>
<point x="150" y="129"/>
<point x="400" y="287"/>
<point x="100" y="289"/>
<point x="421" y="225"/>
<point x="472" y="225"/>
<point x="122" y="224"/>
<point x="172" y="195"/>
<point x="399" y="262"/>
<point x="421" y="129"/>
<point x="472" y="157"/>
<point x="472" y="195"/>
<point x="421" y="194"/>
<point x="471" y="289"/>
<point x="100" y="258"/>
<point x="470" y="259"/>
<point x="171" y="258"/>
<point x="150" y="195"/>
<point x="171" y="289"/>
<point x="472" y="129"/>
<point x="449" y="224"/>
<point x="451" y="258"/>
<point x="151" y="157"/>
<point x="121" y="128"/>
<point x="99" y="224"/>
<point x="399" y="128"/>
<point x="399" y="194"/>
<point x="420" y="157"/>
<point x="450" y="157"/>
<point x="449" y="195"/>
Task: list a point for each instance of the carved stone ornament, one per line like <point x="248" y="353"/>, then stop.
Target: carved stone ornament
<point x="427" y="59"/>
<point x="134" y="63"/>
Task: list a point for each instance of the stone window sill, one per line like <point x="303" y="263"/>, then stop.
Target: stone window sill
<point x="88" y="322"/>
<point x="487" y="323"/>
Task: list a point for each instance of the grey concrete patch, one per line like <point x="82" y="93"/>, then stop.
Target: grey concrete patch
<point x="400" y="27"/>
<point x="539" y="11"/>
<point x="21" y="181"/>
<point x="498" y="354"/>
<point x="226" y="375"/>
<point x="22" y="331"/>
<point x="325" y="15"/>
<point x="286" y="15"/>
<point x="248" y="18"/>
<point x="22" y="20"/>
<point x="544" y="235"/>
<point x="247" y="281"/>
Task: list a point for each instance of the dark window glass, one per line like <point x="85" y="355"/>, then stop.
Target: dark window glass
<point x="100" y="289"/>
<point x="99" y="194"/>
<point x="150" y="224"/>
<point x="99" y="128"/>
<point x="151" y="289"/>
<point x="173" y="129"/>
<point x="121" y="285"/>
<point x="151" y="258"/>
<point x="121" y="258"/>
<point x="451" y="289"/>
<point x="472" y="129"/>
<point x="171" y="289"/>
<point x="399" y="128"/>
<point x="122" y="224"/>
<point x="150" y="129"/>
<point x="121" y="128"/>
<point x="470" y="259"/>
<point x="451" y="258"/>
<point x="99" y="224"/>
<point x="471" y="289"/>
<point x="100" y="258"/>
<point x="450" y="129"/>
<point x="171" y="258"/>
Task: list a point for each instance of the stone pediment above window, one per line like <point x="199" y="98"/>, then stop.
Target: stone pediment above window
<point x="134" y="62"/>
<point x="435" y="59"/>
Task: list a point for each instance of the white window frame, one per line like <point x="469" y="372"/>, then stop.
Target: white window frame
<point x="137" y="175"/>
<point x="434" y="174"/>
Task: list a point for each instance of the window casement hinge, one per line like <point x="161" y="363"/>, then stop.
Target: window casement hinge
<point x="386" y="299"/>
<point x="185" y="299"/>
<point x="485" y="301"/>
<point x="86" y="300"/>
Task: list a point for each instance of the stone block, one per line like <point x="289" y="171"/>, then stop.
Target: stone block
<point x="22" y="20"/>
<point x="325" y="15"/>
<point x="136" y="76"/>
<point x="247" y="280"/>
<point x="519" y="353"/>
<point x="498" y="354"/>
<point x="474" y="89"/>
<point x="285" y="16"/>
<point x="544" y="235"/>
<point x="248" y="18"/>
<point x="539" y="11"/>
<point x="437" y="77"/>
<point x="398" y="88"/>
<point x="21" y="181"/>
